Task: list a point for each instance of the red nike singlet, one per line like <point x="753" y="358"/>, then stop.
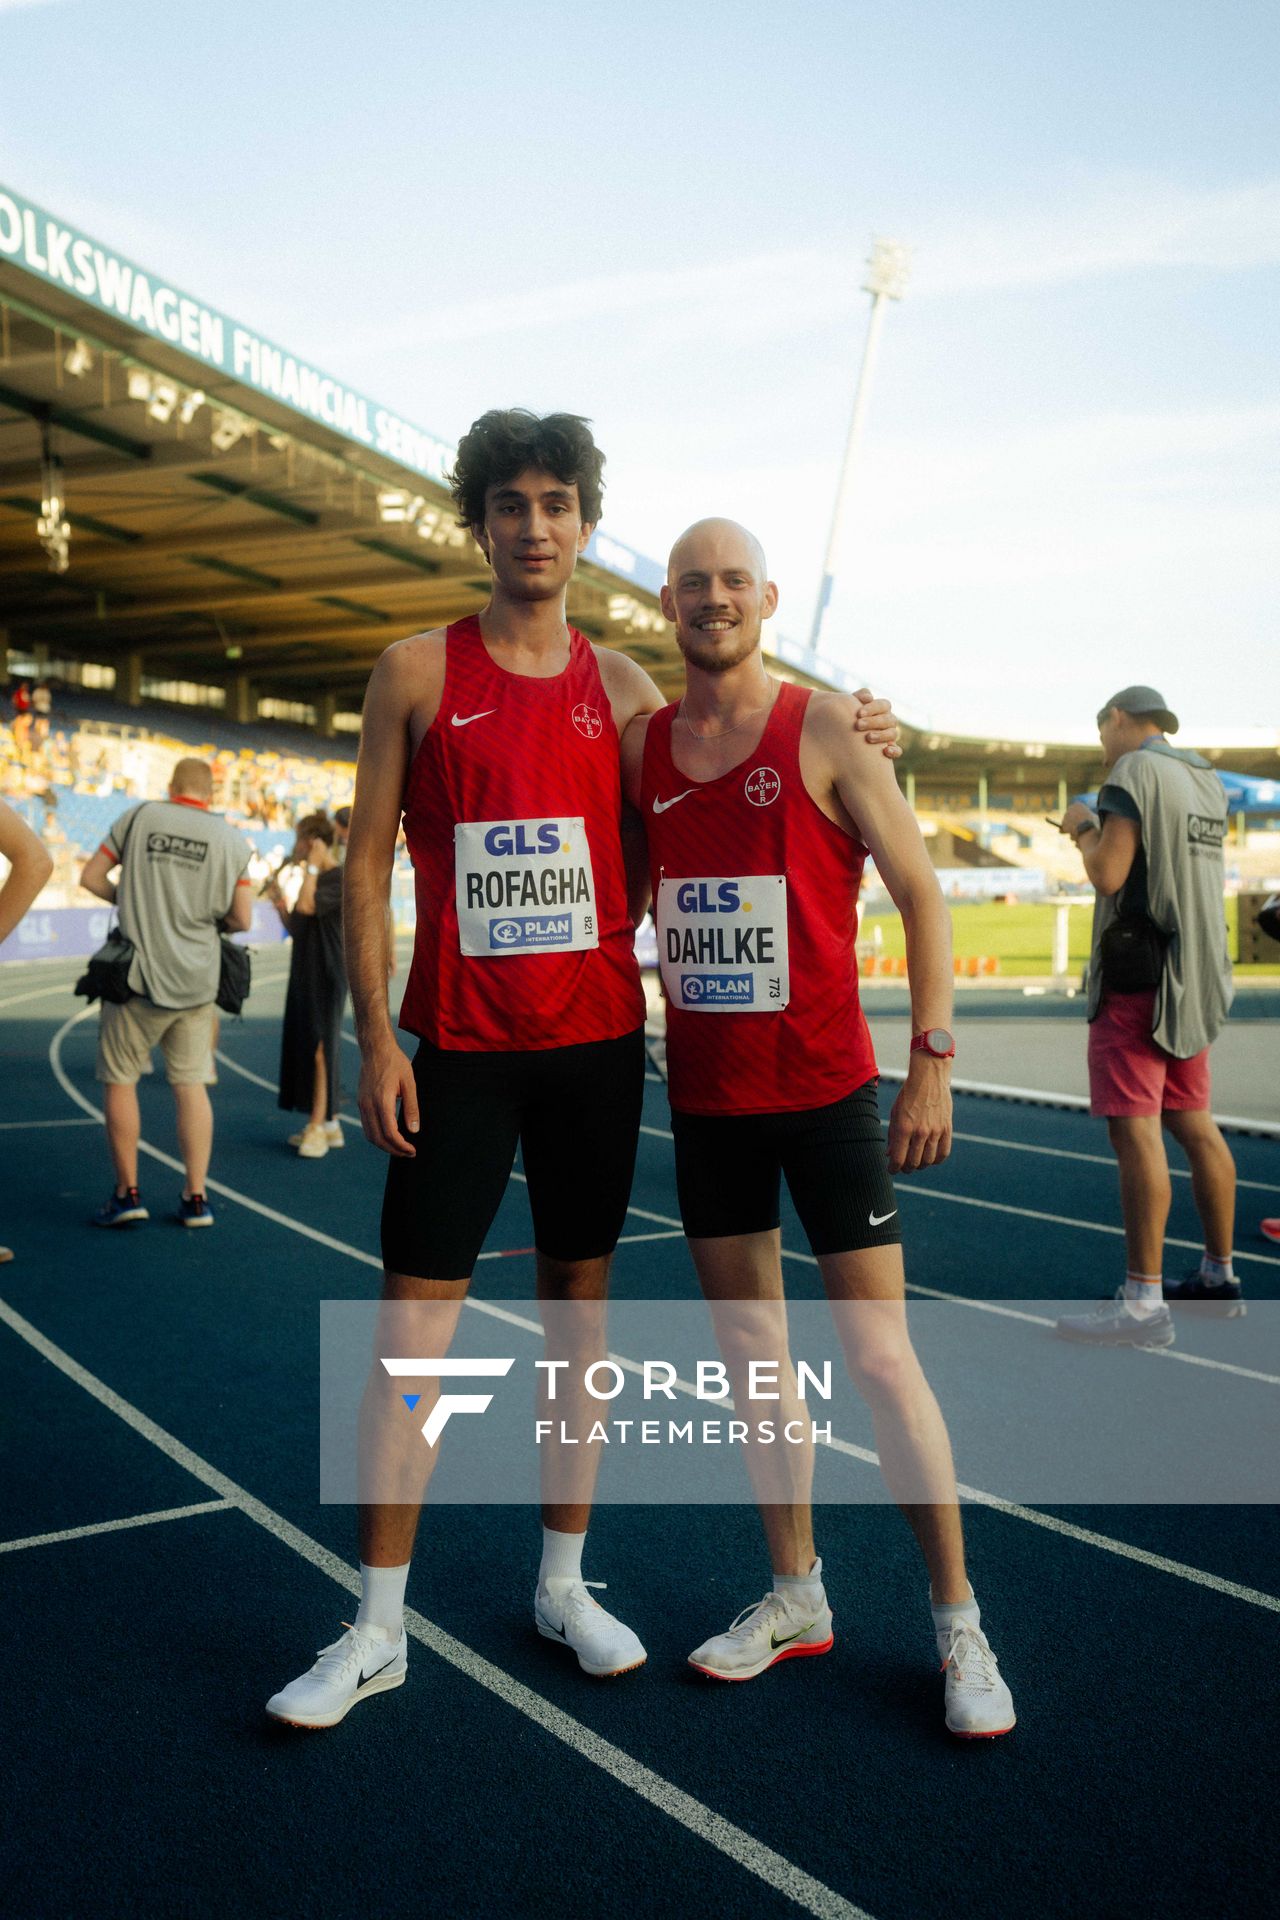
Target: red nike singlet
<point x="755" y="896"/>
<point x="512" y="814"/>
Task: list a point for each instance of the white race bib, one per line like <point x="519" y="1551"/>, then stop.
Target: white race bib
<point x="722" y="944"/>
<point x="524" y="886"/>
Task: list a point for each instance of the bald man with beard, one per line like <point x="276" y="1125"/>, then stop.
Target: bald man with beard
<point x="760" y="810"/>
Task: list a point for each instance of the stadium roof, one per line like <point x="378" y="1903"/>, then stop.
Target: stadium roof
<point x="230" y="514"/>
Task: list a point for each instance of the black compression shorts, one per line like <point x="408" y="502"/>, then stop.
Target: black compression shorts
<point x="574" y="1112"/>
<point x="729" y="1169"/>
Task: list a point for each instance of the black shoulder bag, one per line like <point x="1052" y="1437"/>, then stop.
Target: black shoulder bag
<point x="1131" y="951"/>
<point x="107" y="975"/>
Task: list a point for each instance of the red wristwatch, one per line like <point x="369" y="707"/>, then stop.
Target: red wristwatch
<point x="936" y="1042"/>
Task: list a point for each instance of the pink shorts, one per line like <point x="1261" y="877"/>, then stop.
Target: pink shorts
<point x="1129" y="1074"/>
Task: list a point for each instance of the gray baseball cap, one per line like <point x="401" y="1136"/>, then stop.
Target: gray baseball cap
<point x="1144" y="703"/>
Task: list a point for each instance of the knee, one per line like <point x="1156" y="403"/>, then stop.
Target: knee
<point x="886" y="1371"/>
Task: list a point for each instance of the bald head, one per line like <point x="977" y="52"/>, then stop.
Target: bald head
<point x="193" y="779"/>
<point x="717" y="594"/>
<point x="711" y="546"/>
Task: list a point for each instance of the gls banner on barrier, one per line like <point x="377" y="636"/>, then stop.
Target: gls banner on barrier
<point x="64" y="257"/>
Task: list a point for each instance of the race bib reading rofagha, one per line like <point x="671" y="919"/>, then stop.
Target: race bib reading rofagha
<point x="722" y="944"/>
<point x="524" y="886"/>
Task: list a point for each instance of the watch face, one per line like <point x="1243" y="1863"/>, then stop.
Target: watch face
<point x="938" y="1040"/>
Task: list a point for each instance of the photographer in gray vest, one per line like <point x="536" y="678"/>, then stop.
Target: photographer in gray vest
<point x="1159" y="991"/>
<point x="182" y="879"/>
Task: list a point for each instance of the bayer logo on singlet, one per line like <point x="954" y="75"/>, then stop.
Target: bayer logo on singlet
<point x="587" y="721"/>
<point x="762" y="786"/>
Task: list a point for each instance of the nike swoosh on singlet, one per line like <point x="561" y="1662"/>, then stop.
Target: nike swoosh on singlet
<point x="878" y="1219"/>
<point x="460" y="721"/>
<point x="660" y="806"/>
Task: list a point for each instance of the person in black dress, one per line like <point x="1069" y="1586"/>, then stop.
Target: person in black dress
<point x="310" y="1043"/>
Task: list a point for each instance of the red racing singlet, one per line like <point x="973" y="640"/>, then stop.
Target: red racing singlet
<point x="755" y="897"/>
<point x="512" y="814"/>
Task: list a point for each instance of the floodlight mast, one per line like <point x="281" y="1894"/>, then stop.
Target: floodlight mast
<point x="888" y="270"/>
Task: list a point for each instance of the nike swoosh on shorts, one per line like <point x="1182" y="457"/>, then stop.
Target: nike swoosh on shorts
<point x="460" y="721"/>
<point x="660" y="806"/>
<point x="878" y="1219"/>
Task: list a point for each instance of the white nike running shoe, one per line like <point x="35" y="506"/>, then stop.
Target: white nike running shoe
<point x="366" y="1660"/>
<point x="332" y="1133"/>
<point x="563" y="1610"/>
<point x="775" y="1628"/>
<point x="979" y="1704"/>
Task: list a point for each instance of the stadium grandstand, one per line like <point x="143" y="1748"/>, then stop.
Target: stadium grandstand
<point x="205" y="543"/>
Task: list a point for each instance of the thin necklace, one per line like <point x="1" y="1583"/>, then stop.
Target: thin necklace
<point x="723" y="733"/>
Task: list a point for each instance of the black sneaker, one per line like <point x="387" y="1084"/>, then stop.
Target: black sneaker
<point x="195" y="1212"/>
<point x="1224" y="1301"/>
<point x="122" y="1210"/>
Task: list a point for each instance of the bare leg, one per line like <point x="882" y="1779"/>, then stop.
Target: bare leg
<point x="124" y="1130"/>
<point x="195" y="1135"/>
<point x="319" y="1090"/>
<point x="393" y="1454"/>
<point x="867" y="1295"/>
<point x="1145" y="1189"/>
<point x="741" y="1277"/>
<point x="1213" y="1177"/>
<point x="572" y="1296"/>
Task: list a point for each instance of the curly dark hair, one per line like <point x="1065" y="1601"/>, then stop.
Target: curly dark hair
<point x="507" y="440"/>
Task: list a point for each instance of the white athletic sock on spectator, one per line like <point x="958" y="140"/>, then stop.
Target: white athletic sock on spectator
<point x="382" y="1597"/>
<point x="561" y="1556"/>
<point x="1144" y="1293"/>
<point x="805" y="1589"/>
<point x="1217" y="1272"/>
<point x="945" y="1612"/>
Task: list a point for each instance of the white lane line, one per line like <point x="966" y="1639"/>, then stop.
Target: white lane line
<point x="1027" y="1213"/>
<point x="496" y="1312"/>
<point x="114" y="1526"/>
<point x="751" y="1854"/>
<point x="1092" y="1159"/>
<point x="26" y="1126"/>
<point x="38" y="993"/>
<point x="1042" y="1097"/>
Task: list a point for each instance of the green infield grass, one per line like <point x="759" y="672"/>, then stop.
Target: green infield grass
<point x="1020" y="937"/>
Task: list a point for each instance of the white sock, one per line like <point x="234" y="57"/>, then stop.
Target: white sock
<point x="945" y="1612"/>
<point x="382" y="1597"/>
<point x="1218" y="1273"/>
<point x="806" y="1589"/>
<point x="1144" y="1293"/>
<point x="561" y="1556"/>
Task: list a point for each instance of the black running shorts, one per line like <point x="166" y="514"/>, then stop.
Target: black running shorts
<point x="575" y="1114"/>
<point x="729" y="1169"/>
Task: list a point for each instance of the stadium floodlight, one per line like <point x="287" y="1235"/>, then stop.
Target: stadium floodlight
<point x="888" y="270"/>
<point x="191" y="406"/>
<point x="164" y="398"/>
<point x="138" y="384"/>
<point x="228" y="427"/>
<point x="79" y="360"/>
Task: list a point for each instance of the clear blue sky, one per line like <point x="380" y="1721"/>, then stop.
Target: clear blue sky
<point x="657" y="216"/>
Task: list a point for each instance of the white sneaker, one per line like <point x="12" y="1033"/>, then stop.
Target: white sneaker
<point x="979" y="1704"/>
<point x="775" y="1628"/>
<point x="366" y="1660"/>
<point x="314" y="1143"/>
<point x="332" y="1133"/>
<point x="563" y="1610"/>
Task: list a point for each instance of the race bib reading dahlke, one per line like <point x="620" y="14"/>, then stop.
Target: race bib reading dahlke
<point x="722" y="944"/>
<point x="524" y="886"/>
